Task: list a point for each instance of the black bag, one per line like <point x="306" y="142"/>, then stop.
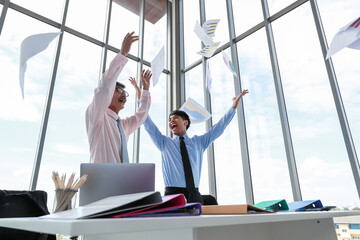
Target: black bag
<point x="23" y="204"/>
<point x="209" y="200"/>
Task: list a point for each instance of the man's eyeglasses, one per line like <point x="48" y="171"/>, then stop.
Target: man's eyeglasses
<point x="122" y="91"/>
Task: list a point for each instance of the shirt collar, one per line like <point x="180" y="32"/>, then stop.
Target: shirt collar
<point x="112" y="114"/>
<point x="177" y="137"/>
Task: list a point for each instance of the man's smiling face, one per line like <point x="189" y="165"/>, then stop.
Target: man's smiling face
<point x="177" y="125"/>
<point x="118" y="100"/>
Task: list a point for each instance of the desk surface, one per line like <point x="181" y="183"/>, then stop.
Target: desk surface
<point x="123" y="225"/>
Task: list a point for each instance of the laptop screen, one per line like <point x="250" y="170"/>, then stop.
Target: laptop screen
<point x="111" y="179"/>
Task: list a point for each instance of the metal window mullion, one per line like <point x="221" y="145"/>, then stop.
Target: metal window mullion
<point x="240" y="109"/>
<point x="208" y="124"/>
<point x="106" y="37"/>
<point x="282" y="106"/>
<point x="169" y="82"/>
<point x="136" y="144"/>
<point x="3" y="14"/>
<point x="178" y="61"/>
<point x="350" y="147"/>
<point x="40" y="146"/>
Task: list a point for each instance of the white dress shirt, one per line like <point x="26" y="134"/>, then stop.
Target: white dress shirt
<point x="101" y="125"/>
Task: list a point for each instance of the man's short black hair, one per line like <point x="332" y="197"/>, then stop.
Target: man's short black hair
<point x="120" y="85"/>
<point x="181" y="114"/>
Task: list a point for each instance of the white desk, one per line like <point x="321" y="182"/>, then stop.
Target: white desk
<point x="276" y="226"/>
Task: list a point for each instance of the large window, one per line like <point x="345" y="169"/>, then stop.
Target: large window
<point x="317" y="138"/>
<point x="265" y="139"/>
<point x="296" y="68"/>
<point x="230" y="187"/>
<point x="66" y="144"/>
<point x="20" y="118"/>
<point x="347" y="71"/>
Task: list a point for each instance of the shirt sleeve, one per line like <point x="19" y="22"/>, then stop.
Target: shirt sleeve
<point x="132" y="123"/>
<point x="217" y="129"/>
<point x="156" y="136"/>
<point x="105" y="90"/>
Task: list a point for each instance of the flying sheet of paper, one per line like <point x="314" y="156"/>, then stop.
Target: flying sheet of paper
<point x="157" y="65"/>
<point x="199" y="31"/>
<point x="31" y="46"/>
<point x="196" y="112"/>
<point x="347" y="36"/>
<point x="209" y="50"/>
<point x="229" y="63"/>
<point x="208" y="77"/>
<point x="209" y="27"/>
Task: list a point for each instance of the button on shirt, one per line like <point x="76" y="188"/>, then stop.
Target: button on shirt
<point x="172" y="166"/>
<point x="101" y="125"/>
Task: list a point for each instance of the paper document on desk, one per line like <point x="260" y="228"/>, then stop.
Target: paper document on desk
<point x="232" y="209"/>
<point x="110" y="206"/>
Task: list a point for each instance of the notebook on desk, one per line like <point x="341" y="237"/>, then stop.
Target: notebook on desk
<point x="111" y="179"/>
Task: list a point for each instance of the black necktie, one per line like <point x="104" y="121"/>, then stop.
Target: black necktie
<point x="187" y="166"/>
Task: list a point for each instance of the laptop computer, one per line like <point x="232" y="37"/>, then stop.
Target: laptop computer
<point x="111" y="179"/>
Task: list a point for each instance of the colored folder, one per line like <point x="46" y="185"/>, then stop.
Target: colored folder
<point x="232" y="209"/>
<point x="171" y="205"/>
<point x="273" y="205"/>
<point x="309" y="205"/>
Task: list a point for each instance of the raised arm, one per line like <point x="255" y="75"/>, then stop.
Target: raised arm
<point x="237" y="99"/>
<point x="217" y="129"/>
<point x="105" y="90"/>
<point x="145" y="80"/>
<point x="137" y="89"/>
<point x="128" y="41"/>
<point x="133" y="122"/>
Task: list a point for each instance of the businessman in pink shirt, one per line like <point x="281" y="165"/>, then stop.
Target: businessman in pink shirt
<point x="107" y="133"/>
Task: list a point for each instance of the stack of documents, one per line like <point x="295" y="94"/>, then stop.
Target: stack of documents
<point x="130" y="205"/>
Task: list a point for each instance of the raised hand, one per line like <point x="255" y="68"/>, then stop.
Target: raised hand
<point x="127" y="42"/>
<point x="237" y="99"/>
<point x="145" y="79"/>
<point x="137" y="89"/>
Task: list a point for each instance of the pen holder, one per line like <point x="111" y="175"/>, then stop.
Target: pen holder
<point x="65" y="199"/>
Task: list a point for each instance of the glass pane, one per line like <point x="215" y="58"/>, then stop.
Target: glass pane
<point x="215" y="9"/>
<point x="192" y="43"/>
<point x="246" y="14"/>
<point x="20" y="119"/>
<point x="346" y="69"/>
<point x="51" y="9"/>
<point x="148" y="151"/>
<point x="66" y="144"/>
<point x="320" y="153"/>
<point x="194" y="88"/>
<point x="90" y="21"/>
<point x="118" y="29"/>
<point x="229" y="174"/>
<point x="154" y="38"/>
<point x="277" y="5"/>
<point x="268" y="161"/>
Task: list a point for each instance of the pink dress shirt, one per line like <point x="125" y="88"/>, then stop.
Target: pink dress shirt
<point x="101" y="125"/>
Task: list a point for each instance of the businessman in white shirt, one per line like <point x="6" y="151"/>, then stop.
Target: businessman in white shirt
<point x="107" y="132"/>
